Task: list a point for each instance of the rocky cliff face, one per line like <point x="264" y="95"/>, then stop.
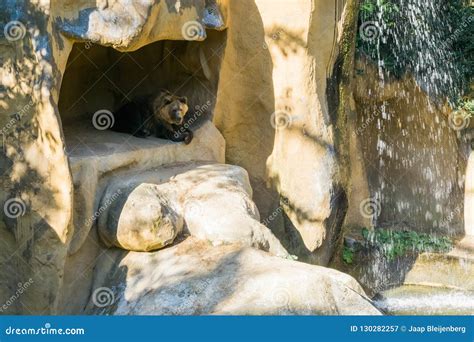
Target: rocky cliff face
<point x="42" y="201"/>
<point x="271" y="89"/>
<point x="408" y="157"/>
<point x="61" y="67"/>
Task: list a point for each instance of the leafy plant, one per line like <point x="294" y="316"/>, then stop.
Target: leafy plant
<point x="387" y="9"/>
<point x="431" y="40"/>
<point x="466" y="106"/>
<point x="347" y="255"/>
<point x="395" y="243"/>
<point x="385" y="15"/>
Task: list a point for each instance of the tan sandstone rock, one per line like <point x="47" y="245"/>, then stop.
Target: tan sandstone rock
<point x="195" y="278"/>
<point x="274" y="58"/>
<point x="34" y="166"/>
<point x="112" y="154"/>
<point x="140" y="219"/>
<point x="214" y="200"/>
<point x="273" y="111"/>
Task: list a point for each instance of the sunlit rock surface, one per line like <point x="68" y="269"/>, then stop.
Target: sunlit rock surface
<point x="130" y="25"/>
<point x="195" y="278"/>
<point x="139" y="219"/>
<point x="283" y="56"/>
<point x="273" y="75"/>
<point x="469" y="197"/>
<point x="214" y="200"/>
<point x="110" y="154"/>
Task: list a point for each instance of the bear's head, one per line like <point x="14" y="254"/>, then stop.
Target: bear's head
<point x="170" y="108"/>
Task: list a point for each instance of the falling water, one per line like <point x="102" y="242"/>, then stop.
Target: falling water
<point x="415" y="38"/>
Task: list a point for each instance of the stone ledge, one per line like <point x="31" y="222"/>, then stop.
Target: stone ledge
<point x="95" y="155"/>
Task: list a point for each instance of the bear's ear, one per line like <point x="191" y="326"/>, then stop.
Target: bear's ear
<point x="167" y="100"/>
<point x="183" y="99"/>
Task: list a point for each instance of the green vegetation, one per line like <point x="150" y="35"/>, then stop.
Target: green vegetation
<point x="385" y="16"/>
<point x="466" y="106"/>
<point x="348" y="255"/>
<point x="395" y="243"/>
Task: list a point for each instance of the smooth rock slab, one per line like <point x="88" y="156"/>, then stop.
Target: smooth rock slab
<point x="214" y="199"/>
<point x="140" y="219"/>
<point x="196" y="278"/>
<point x="218" y="207"/>
<point x="110" y="154"/>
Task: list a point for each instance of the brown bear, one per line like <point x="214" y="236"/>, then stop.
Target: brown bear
<point x="160" y="115"/>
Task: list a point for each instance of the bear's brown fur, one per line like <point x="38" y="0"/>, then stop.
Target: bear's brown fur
<point x="159" y="115"/>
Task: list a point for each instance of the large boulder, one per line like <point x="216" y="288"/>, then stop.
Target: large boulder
<point x="111" y="154"/>
<point x="196" y="278"/>
<point x="140" y="219"/>
<point x="121" y="24"/>
<point x="222" y="192"/>
<point x="276" y="115"/>
<point x="218" y="207"/>
<point x="214" y="199"/>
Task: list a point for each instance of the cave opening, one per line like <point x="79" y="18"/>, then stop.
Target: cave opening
<point x="99" y="80"/>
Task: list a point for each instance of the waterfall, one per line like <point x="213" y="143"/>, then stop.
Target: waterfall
<point x="411" y="39"/>
<point x="416" y="36"/>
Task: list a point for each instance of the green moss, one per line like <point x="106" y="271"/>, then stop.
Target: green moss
<point x="466" y="106"/>
<point x="395" y="243"/>
<point x="348" y="255"/>
<point x="397" y="46"/>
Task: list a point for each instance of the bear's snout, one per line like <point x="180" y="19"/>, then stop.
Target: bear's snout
<point x="176" y="116"/>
